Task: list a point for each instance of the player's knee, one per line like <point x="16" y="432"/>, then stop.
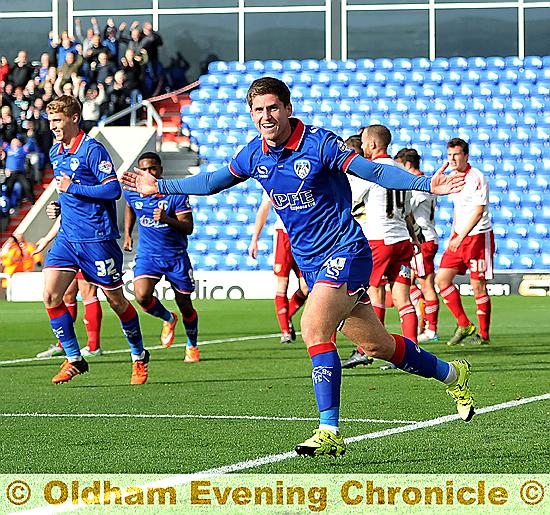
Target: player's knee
<point x="51" y="299"/>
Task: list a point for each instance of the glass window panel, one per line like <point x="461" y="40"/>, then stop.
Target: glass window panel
<point x="109" y="4"/>
<point x="177" y="4"/>
<point x="17" y="31"/>
<point x="371" y="35"/>
<point x="196" y="36"/>
<point x="385" y="2"/>
<point x="537" y="34"/>
<point x="30" y="5"/>
<point x="282" y="3"/>
<point x="299" y="36"/>
<point x="489" y="32"/>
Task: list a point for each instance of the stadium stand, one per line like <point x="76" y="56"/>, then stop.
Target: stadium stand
<point x="497" y="104"/>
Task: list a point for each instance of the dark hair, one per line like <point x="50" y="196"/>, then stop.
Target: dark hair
<point x="380" y="133"/>
<point x="459" y="142"/>
<point x="355" y="143"/>
<point x="408" y="155"/>
<point x="268" y="86"/>
<point x="150" y="155"/>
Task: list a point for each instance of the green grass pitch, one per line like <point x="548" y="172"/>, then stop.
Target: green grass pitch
<point x="250" y="397"/>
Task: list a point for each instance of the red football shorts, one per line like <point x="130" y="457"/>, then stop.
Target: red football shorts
<point x="475" y="254"/>
<point x="284" y="260"/>
<point x="392" y="261"/>
<point x="423" y="262"/>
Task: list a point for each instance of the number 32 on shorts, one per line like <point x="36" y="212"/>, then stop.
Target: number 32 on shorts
<point x="105" y="268"/>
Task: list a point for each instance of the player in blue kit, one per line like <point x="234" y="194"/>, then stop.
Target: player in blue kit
<point x="302" y="169"/>
<point x="88" y="189"/>
<point x="164" y="222"/>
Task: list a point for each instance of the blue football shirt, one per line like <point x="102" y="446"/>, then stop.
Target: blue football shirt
<point x="87" y="162"/>
<point x="306" y="182"/>
<point x="157" y="238"/>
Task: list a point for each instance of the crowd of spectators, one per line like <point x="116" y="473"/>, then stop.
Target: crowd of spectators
<point x="108" y="69"/>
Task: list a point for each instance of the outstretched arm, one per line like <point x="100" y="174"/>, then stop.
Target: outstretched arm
<point x="395" y="178"/>
<point x="200" y="184"/>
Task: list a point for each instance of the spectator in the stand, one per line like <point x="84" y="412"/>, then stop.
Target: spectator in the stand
<point x="41" y="71"/>
<point x="16" y="172"/>
<point x="103" y="71"/>
<point x="118" y="98"/>
<point x="4" y="69"/>
<point x="151" y="42"/>
<point x="8" y="126"/>
<point x="92" y="54"/>
<point x="48" y="93"/>
<point x="134" y="41"/>
<point x="72" y="64"/>
<point x="42" y="133"/>
<point x="67" y="88"/>
<point x="134" y="73"/>
<point x="20" y="104"/>
<point x="86" y="40"/>
<point x="91" y="98"/>
<point x="111" y="40"/>
<point x="63" y="46"/>
<point x="22" y="72"/>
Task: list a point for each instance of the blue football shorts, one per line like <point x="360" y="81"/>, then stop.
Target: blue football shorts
<point x="177" y="270"/>
<point x="99" y="261"/>
<point x="351" y="266"/>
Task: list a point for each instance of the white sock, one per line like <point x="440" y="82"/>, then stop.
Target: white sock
<point x="138" y="357"/>
<point x="452" y="375"/>
<point x="332" y="429"/>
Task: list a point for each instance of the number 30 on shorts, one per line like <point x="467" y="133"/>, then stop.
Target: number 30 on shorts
<point x="478" y="265"/>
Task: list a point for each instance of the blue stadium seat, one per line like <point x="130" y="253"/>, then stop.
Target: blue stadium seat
<point x="311" y="65"/>
<point x="292" y="65"/>
<point x="273" y="66"/>
<point x="306" y="78"/>
<point x="365" y="64"/>
<point x="504" y="262"/>
<point x="533" y="62"/>
<point x="421" y="63"/>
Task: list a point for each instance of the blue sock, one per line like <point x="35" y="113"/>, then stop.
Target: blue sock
<point x="130" y="327"/>
<point x="411" y="358"/>
<point x="327" y="378"/>
<point x="191" y="329"/>
<point x="62" y="325"/>
<point x="157" y="309"/>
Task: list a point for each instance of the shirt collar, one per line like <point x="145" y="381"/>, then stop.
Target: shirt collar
<point x="75" y="145"/>
<point x="296" y="136"/>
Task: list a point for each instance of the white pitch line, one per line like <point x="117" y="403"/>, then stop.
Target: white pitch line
<point x="182" y="479"/>
<point x="191" y="416"/>
<point x="156" y="347"/>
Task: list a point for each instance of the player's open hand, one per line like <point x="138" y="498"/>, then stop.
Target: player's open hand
<point x="443" y="184"/>
<point x="140" y="181"/>
<point x="41" y="244"/>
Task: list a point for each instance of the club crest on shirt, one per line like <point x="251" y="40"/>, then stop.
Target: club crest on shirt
<point x="138" y="205"/>
<point x="163" y="204"/>
<point x="105" y="166"/>
<point x="73" y="164"/>
<point x="302" y="168"/>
